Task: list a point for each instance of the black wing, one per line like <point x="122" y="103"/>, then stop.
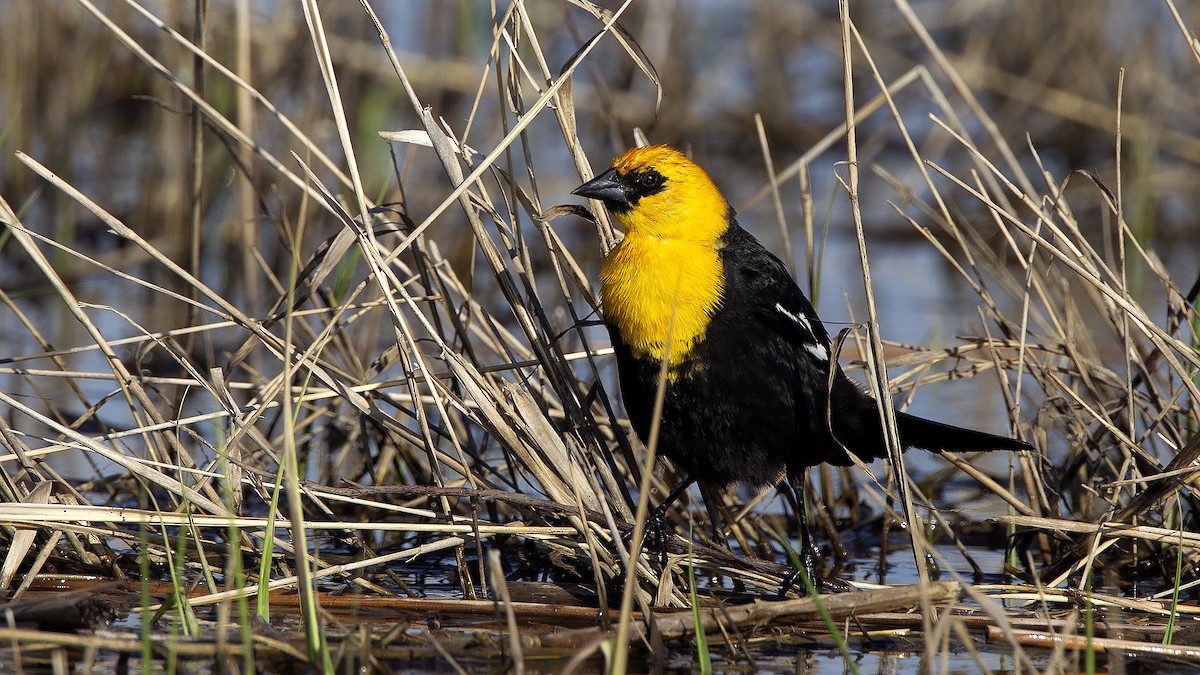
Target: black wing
<point x="852" y="413"/>
<point x="831" y="420"/>
<point x="779" y="302"/>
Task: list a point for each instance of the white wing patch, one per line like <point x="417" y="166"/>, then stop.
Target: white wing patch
<point x="820" y="351"/>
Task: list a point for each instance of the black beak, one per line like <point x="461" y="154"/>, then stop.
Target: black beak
<point x="606" y="187"/>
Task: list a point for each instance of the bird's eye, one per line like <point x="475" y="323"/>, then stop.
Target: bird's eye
<point x="650" y="180"/>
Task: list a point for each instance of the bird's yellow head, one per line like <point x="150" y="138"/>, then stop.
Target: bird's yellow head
<point x="661" y="285"/>
<point x="657" y="192"/>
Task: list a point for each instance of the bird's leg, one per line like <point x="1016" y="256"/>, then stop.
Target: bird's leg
<point x="809" y="553"/>
<point x="656" y="522"/>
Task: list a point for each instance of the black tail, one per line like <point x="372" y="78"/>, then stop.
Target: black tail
<point x="855" y="417"/>
<point x="916" y="432"/>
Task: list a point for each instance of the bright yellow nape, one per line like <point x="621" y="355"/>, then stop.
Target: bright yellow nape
<point x="668" y="266"/>
<point x="689" y="207"/>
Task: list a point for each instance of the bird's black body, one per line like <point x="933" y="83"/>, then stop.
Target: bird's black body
<point x="751" y="400"/>
<point x="749" y="397"/>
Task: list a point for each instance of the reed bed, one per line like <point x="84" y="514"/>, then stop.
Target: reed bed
<point x="308" y="368"/>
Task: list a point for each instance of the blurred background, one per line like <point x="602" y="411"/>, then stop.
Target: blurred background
<point x="1048" y="73"/>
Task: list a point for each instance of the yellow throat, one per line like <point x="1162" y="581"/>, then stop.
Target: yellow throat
<point x="665" y="277"/>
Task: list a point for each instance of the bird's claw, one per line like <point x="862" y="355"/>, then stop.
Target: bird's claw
<point x="794" y="579"/>
<point x="808" y="568"/>
<point x="655" y="534"/>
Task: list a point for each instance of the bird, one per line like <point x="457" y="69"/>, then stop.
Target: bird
<point x="748" y="392"/>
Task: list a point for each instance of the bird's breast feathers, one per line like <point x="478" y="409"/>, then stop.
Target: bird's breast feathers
<point x="653" y="287"/>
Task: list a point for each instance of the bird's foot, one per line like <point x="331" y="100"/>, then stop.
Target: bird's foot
<point x="808" y="570"/>
<point x="655" y="535"/>
<point x="794" y="579"/>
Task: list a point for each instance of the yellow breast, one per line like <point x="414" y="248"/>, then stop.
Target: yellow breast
<point x="653" y="287"/>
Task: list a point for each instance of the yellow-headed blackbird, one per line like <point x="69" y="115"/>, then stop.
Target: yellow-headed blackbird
<point x="747" y="395"/>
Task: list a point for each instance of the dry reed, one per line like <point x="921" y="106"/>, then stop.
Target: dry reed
<point x="346" y="332"/>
